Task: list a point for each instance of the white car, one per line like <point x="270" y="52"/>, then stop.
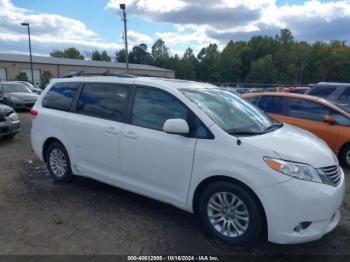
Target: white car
<point x="195" y="146"/>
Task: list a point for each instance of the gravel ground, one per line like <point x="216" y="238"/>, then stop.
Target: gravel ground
<point x="40" y="216"/>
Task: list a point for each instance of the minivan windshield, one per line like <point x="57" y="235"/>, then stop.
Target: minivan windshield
<point x="231" y="113"/>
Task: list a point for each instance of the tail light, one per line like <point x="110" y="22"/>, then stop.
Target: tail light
<point x="33" y="112"/>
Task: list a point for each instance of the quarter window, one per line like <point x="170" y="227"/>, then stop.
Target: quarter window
<point x="152" y="108"/>
<point x="107" y="101"/>
<point x="300" y="108"/>
<point x="60" y="96"/>
<point x="272" y="104"/>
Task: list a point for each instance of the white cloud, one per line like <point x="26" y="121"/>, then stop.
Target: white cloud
<point x="135" y="38"/>
<point x="49" y="31"/>
<point x="202" y="21"/>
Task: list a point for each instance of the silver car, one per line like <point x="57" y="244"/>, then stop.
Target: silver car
<point x="9" y="122"/>
<point x="17" y="96"/>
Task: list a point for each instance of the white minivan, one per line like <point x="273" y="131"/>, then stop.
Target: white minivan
<point x="194" y="146"/>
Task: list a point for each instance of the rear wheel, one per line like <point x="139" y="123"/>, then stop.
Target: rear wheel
<point x="58" y="162"/>
<point x="345" y="156"/>
<point x="230" y="213"/>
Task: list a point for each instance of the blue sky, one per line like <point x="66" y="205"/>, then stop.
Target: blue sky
<point x="96" y="24"/>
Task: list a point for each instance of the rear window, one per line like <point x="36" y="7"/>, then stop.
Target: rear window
<point x="60" y="96"/>
<point x="322" y="91"/>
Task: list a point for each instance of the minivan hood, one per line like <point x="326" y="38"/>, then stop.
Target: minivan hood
<point x="298" y="145"/>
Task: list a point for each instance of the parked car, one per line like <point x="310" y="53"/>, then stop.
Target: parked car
<point x="195" y="146"/>
<point x="9" y="122"/>
<point x="326" y="119"/>
<point x="17" y="95"/>
<point x="297" y="90"/>
<point x="338" y="92"/>
<point x="30" y="86"/>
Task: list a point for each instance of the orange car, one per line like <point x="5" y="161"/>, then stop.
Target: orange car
<point x="326" y="119"/>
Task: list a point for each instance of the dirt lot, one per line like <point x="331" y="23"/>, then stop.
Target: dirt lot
<point x="39" y="216"/>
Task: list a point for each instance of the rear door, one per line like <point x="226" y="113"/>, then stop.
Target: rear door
<point x="94" y="129"/>
<point x="309" y="115"/>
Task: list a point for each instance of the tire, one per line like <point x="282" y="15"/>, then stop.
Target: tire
<point x="240" y="232"/>
<point x="58" y="163"/>
<point x="345" y="156"/>
<point x="11" y="136"/>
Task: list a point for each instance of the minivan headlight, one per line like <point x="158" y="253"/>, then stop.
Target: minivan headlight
<point x="292" y="169"/>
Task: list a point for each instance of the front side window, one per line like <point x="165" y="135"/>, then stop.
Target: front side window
<point x="61" y="96"/>
<point x="322" y="91"/>
<point x="152" y="108"/>
<point x="15" y="88"/>
<point x="254" y="100"/>
<point x="305" y="109"/>
<point x="107" y="101"/>
<point x="231" y="113"/>
<point x="272" y="104"/>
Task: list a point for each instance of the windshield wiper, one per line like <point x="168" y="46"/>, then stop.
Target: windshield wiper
<point x="273" y="127"/>
<point x="244" y="133"/>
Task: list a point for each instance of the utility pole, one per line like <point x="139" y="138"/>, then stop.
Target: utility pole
<point x="123" y="7"/>
<point x="30" y="51"/>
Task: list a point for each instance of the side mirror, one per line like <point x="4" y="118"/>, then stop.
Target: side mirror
<point x="329" y="119"/>
<point x="176" y="126"/>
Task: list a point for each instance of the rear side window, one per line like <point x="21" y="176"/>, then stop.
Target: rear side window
<point x="322" y="91"/>
<point x="272" y="104"/>
<point x="345" y="96"/>
<point x="152" y="108"/>
<point x="61" y="96"/>
<point x="300" y="108"/>
<point x="107" y="101"/>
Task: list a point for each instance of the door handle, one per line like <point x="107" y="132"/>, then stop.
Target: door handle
<point x="112" y="130"/>
<point x="130" y="135"/>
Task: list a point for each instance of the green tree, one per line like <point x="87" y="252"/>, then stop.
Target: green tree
<point x="21" y="77"/>
<point x="160" y="54"/>
<point x="262" y="71"/>
<point x="67" y="53"/>
<point x="208" y="62"/>
<point x="121" y="56"/>
<point x="96" y="56"/>
<point x="45" y="78"/>
<point x="230" y="62"/>
<point x="140" y="55"/>
<point x="189" y="63"/>
<point x="105" y="57"/>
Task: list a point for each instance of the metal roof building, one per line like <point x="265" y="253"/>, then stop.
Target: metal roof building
<point x="12" y="65"/>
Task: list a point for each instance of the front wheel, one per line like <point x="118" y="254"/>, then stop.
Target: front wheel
<point x="230" y="213"/>
<point x="58" y="162"/>
<point x="345" y="156"/>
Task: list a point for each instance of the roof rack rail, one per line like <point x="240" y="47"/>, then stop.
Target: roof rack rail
<point x="107" y="73"/>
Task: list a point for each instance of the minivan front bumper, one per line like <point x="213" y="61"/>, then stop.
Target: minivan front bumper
<point x="299" y="211"/>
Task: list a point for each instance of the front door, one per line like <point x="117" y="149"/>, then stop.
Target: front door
<point x="153" y="162"/>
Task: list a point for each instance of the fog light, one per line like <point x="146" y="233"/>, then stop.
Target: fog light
<point x="302" y="226"/>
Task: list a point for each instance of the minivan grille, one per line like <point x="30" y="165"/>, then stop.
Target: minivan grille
<point x="332" y="174"/>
